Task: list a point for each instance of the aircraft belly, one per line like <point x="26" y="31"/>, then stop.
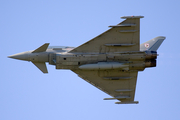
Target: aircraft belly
<point x="101" y="61"/>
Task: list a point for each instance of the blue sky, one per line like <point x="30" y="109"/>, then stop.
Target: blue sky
<point x="28" y="94"/>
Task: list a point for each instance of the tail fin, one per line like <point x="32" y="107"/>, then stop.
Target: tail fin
<point x="153" y="44"/>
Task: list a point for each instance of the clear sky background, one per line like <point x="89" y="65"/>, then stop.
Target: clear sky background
<point x="28" y="94"/>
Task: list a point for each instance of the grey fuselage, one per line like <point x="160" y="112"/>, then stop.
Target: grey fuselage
<point x="62" y="59"/>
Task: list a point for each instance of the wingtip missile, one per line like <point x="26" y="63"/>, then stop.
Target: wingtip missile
<point x="131" y="102"/>
<point x="125" y="17"/>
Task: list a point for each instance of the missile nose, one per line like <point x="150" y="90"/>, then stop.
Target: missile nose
<point x="20" y="56"/>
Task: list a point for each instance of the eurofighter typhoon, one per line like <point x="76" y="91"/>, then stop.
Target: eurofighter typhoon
<point x="110" y="61"/>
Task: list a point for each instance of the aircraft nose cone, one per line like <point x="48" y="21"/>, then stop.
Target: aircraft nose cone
<point x="20" y="56"/>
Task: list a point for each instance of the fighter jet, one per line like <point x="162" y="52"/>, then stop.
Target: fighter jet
<point x="110" y="61"/>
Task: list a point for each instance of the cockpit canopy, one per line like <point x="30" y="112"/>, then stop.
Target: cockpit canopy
<point x="61" y="48"/>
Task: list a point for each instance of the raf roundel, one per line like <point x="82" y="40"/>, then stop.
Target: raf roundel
<point x="146" y="45"/>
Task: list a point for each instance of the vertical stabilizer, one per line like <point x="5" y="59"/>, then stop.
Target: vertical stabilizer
<point x="153" y="44"/>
